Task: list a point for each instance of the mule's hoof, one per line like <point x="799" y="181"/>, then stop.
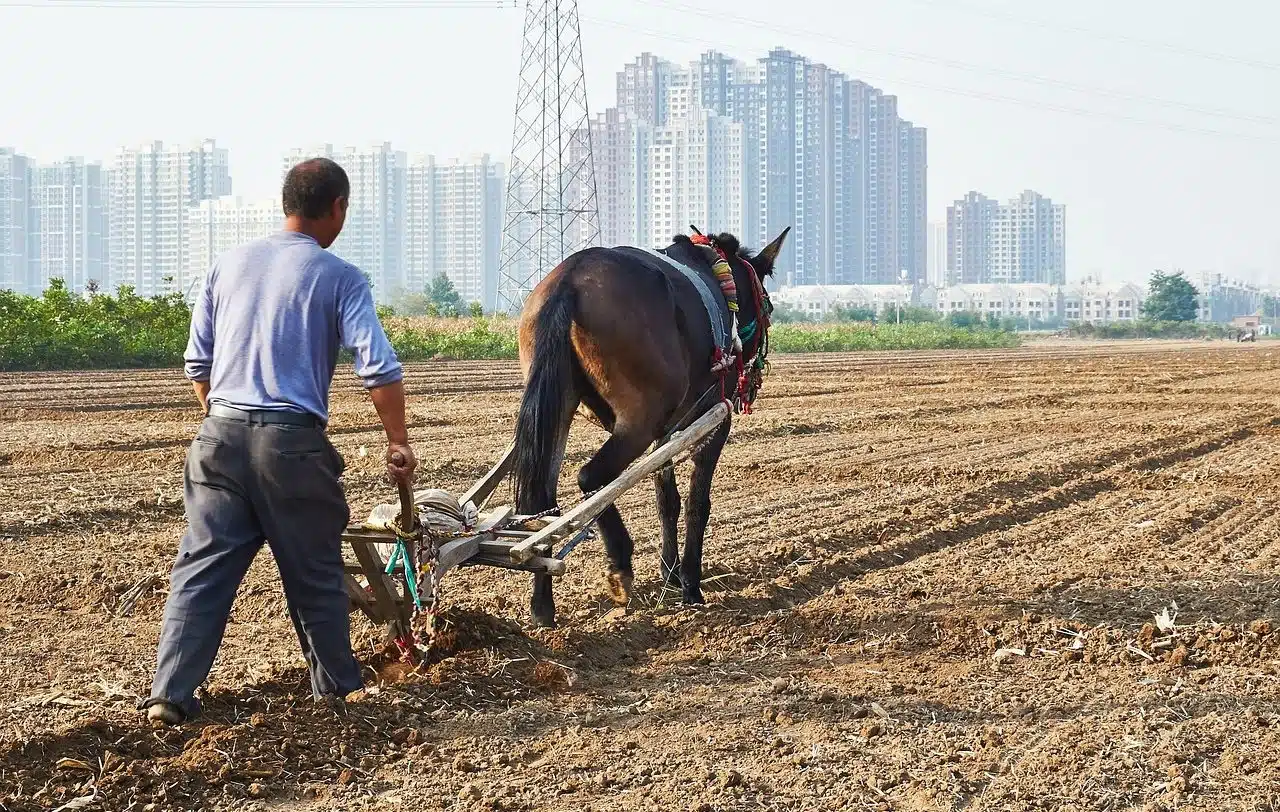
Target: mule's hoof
<point x="620" y="587"/>
<point x="693" y="597"/>
<point x="543" y="621"/>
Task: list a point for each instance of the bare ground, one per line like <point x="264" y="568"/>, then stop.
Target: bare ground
<point x="934" y="582"/>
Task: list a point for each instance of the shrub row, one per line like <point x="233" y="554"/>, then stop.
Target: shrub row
<point x="59" y="330"/>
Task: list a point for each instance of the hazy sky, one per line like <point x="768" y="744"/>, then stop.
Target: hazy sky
<point x="1156" y="121"/>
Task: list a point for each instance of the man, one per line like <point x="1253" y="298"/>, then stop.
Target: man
<point x="265" y="336"/>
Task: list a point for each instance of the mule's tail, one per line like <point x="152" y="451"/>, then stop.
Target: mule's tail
<point x="547" y="405"/>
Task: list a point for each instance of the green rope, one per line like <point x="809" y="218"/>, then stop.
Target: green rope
<point x="411" y="580"/>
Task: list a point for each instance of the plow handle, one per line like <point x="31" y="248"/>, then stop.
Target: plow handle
<point x="408" y="515"/>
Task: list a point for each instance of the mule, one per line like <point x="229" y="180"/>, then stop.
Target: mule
<point x="623" y="336"/>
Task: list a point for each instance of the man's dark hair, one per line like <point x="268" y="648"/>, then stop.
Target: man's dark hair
<point x="311" y="187"/>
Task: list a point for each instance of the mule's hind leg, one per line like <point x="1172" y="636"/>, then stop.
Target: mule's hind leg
<point x="698" y="512"/>
<point x="542" y="604"/>
<point x="669" y="511"/>
<point x="621" y="449"/>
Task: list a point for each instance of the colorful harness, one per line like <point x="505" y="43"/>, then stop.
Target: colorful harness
<point x="754" y="334"/>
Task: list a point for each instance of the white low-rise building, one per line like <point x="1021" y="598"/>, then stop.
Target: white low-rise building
<point x="1096" y="303"/>
<point x="1087" y="301"/>
<point x="822" y="301"/>
<point x="1029" y="301"/>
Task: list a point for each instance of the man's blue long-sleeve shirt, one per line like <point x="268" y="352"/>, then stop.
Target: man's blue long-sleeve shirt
<point x="270" y="320"/>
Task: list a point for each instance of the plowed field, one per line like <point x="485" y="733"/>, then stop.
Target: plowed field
<point x="1034" y="579"/>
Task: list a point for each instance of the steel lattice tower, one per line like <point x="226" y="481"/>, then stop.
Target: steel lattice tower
<point x="551" y="184"/>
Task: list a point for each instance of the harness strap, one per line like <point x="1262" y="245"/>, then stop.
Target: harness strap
<point x="719" y="331"/>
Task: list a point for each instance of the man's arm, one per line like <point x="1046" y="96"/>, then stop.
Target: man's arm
<point x="198" y="357"/>
<point x="378" y="367"/>
<point x="202" y="394"/>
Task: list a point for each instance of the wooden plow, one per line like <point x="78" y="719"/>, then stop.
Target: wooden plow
<point x="499" y="537"/>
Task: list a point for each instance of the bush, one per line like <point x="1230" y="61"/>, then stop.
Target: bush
<point x="786" y="313"/>
<point x="865" y="314"/>
<point x="785" y="338"/>
<point x="475" y="338"/>
<point x="60" y="330"/>
<point x="1148" y="329"/>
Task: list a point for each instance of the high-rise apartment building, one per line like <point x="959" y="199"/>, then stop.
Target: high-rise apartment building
<point x="18" y="263"/>
<point x="373" y="236"/>
<point x="642" y="89"/>
<point x="454" y="225"/>
<point x="781" y="114"/>
<point x="411" y="220"/>
<point x="219" y="224"/>
<point x="620" y="149"/>
<point x="970" y="227"/>
<point x="937" y="255"/>
<point x="695" y="164"/>
<point x="879" y="177"/>
<point x="913" y="212"/>
<point x="829" y="157"/>
<point x="1021" y="241"/>
<point x="150" y="189"/>
<point x="69" y="224"/>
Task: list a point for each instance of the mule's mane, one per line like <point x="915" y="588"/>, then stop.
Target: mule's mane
<point x="725" y="240"/>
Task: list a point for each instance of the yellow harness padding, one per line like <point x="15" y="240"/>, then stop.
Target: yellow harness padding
<point x="724" y="275"/>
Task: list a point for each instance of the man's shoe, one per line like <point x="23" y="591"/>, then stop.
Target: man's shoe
<point x="333" y="702"/>
<point x="165" y="713"/>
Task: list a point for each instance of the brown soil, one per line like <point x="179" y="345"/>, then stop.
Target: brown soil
<point x="934" y="582"/>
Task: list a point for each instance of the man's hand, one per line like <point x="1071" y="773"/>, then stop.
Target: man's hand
<point x="401" y="463"/>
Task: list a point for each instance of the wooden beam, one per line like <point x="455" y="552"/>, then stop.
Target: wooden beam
<point x="454" y="552"/>
<point x="496" y="519"/>
<point x="393" y="610"/>
<point x="360" y="599"/>
<point x="536" y="564"/>
<point x="480" y="492"/>
<point x="363" y="535"/>
<point x="595" y="504"/>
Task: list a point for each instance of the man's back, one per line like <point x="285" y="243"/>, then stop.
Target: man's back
<point x="281" y="308"/>
<point x="266" y="331"/>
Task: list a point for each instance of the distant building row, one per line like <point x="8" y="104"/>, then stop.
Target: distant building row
<point x="753" y="148"/>
<point x="1088" y="301"/>
<point x="157" y="216"/>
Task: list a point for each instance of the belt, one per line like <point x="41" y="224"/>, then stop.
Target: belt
<point x="264" y="416"/>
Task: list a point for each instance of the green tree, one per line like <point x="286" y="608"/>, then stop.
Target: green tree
<point x="412" y="304"/>
<point x="843" y="313"/>
<point x="965" y="318"/>
<point x="445" y="297"/>
<point x="1170" y="297"/>
<point x="918" y="315"/>
<point x="787" y="313"/>
<point x="477" y="310"/>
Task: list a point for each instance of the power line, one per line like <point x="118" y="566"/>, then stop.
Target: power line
<point x="262" y="5"/>
<point x="1020" y="102"/>
<point x="952" y="5"/>
<point x="976" y="68"/>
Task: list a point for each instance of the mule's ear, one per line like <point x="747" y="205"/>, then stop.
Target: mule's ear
<point x="769" y="254"/>
<point x="695" y="230"/>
